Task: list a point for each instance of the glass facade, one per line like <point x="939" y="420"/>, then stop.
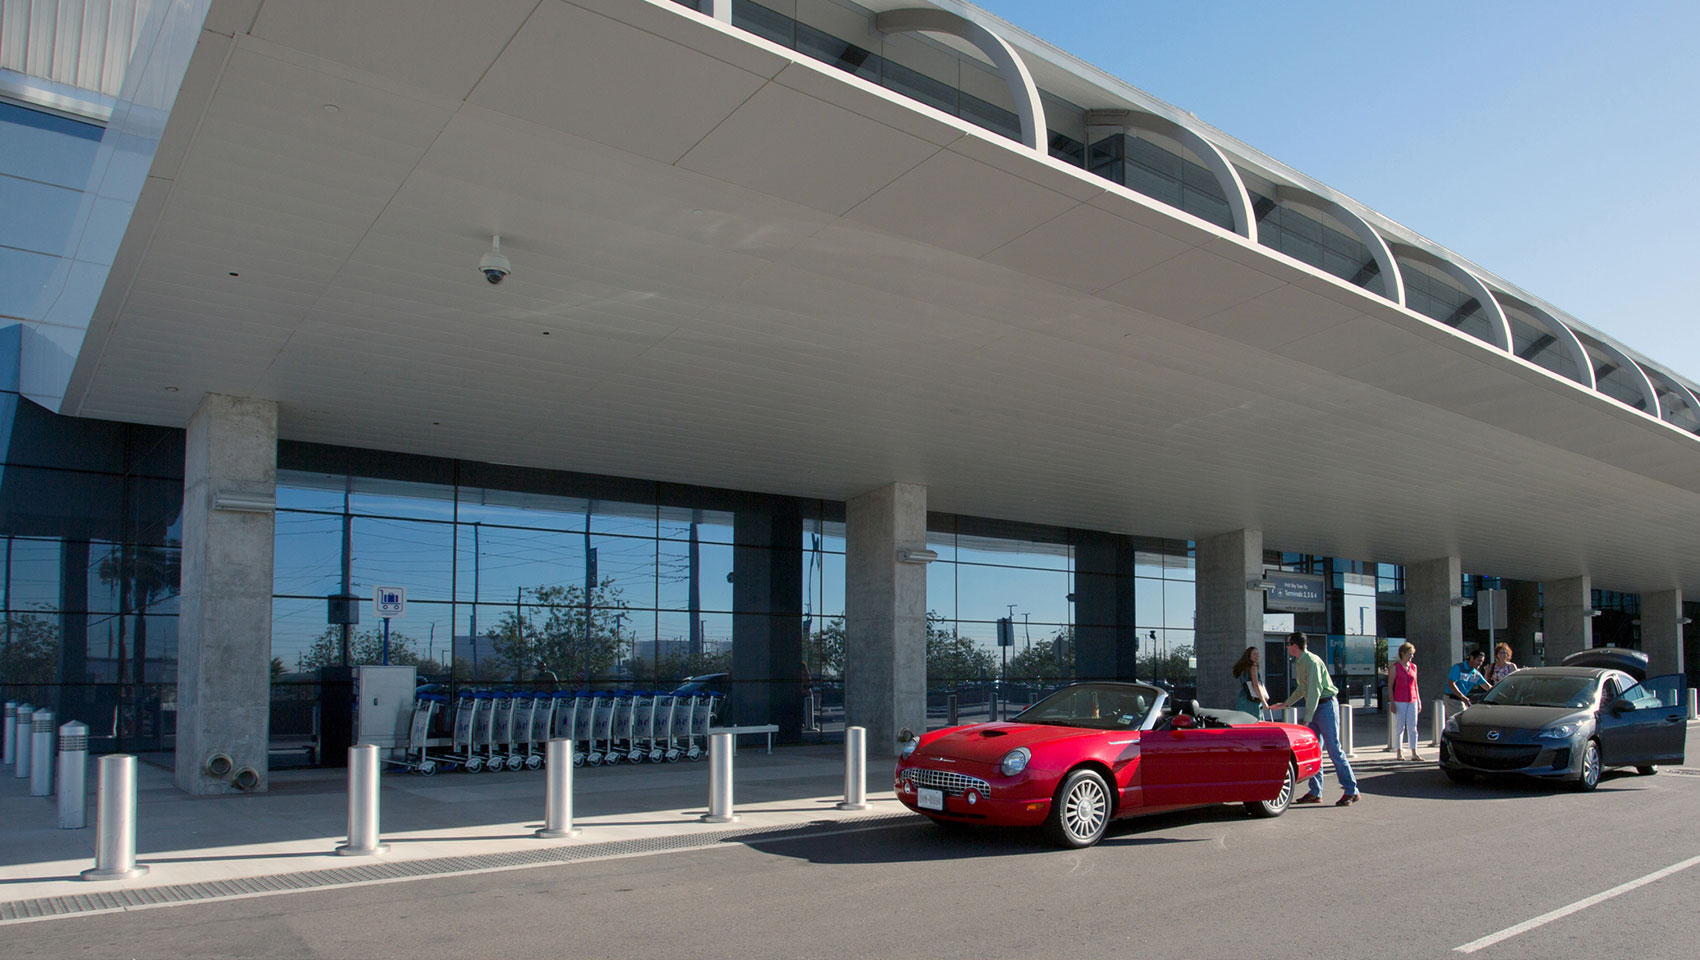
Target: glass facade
<point x="1440" y="299"/>
<point x="44" y="164"/>
<point x="1163" y="174"/>
<point x="1311" y="240"/>
<point x="1532" y="341"/>
<point x="91" y="528"/>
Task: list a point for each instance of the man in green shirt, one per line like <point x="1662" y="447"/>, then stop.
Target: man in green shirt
<point x="1317" y="690"/>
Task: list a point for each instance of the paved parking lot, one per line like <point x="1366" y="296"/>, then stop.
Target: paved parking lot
<point x="1420" y="869"/>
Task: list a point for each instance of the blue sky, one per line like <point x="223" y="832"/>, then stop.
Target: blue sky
<point x="1553" y="142"/>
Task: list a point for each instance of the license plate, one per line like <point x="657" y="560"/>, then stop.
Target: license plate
<point x="929" y="799"/>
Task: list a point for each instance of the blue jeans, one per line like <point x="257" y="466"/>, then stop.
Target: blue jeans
<point x="1326" y="724"/>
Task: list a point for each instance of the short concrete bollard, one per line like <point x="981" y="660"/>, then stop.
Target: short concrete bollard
<point x="1693" y="704"/>
<point x="362" y="803"/>
<point x="720" y="780"/>
<point x="22" y="735"/>
<point x="41" y="753"/>
<point x="558" y="793"/>
<point x="11" y="731"/>
<point x="115" y="821"/>
<point x="855" y="769"/>
<point x="1437" y="722"/>
<point x="1348" y="732"/>
<point x="73" y="775"/>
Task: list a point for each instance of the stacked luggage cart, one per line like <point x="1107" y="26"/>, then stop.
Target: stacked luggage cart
<point x="491" y="730"/>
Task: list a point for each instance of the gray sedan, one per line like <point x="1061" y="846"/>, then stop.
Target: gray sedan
<point x="1569" y="723"/>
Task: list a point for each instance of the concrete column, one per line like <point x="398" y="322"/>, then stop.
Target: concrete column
<point x="1522" y="621"/>
<point x="885" y="615"/>
<point x="1564" y="613"/>
<point x="225" y="620"/>
<point x="1661" y="631"/>
<point x="1433" y="623"/>
<point x="1230" y="616"/>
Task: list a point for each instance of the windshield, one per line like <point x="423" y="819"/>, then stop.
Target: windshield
<point x="1101" y="706"/>
<point x="1529" y="689"/>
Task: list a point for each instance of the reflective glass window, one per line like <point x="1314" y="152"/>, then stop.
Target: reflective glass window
<point x="1532" y="341"/>
<point x="1611" y="378"/>
<point x="1441" y="299"/>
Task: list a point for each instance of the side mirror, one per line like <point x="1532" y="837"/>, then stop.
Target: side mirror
<point x="1621" y="707"/>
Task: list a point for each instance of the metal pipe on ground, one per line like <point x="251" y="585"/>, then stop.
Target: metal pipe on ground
<point x="720" y="780"/>
<point x="115" y="821"/>
<point x="362" y="803"/>
<point x="558" y="794"/>
<point x="41" y="753"/>
<point x="855" y="769"/>
<point x="73" y="775"/>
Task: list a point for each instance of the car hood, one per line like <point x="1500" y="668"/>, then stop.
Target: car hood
<point x="1486" y="716"/>
<point x="988" y="742"/>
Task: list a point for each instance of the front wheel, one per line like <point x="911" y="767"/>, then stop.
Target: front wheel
<point x="1589" y="778"/>
<point x="1080" y="810"/>
<point x="1284" y="799"/>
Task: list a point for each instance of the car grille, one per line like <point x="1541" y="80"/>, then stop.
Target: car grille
<point x="952" y="783"/>
<point x="1495" y="756"/>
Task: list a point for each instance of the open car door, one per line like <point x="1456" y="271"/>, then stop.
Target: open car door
<point x="1647" y="724"/>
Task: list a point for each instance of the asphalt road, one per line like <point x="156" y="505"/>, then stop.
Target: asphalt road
<point x="1419" y="868"/>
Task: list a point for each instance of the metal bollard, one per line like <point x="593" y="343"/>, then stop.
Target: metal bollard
<point x="41" y="753"/>
<point x="720" y="780"/>
<point x="1348" y="735"/>
<point x="21" y="736"/>
<point x="1438" y="721"/>
<point x="362" y="803"/>
<point x="1693" y="704"/>
<point x="950" y="710"/>
<point x="115" y="821"/>
<point x="558" y="792"/>
<point x="1290" y="715"/>
<point x="73" y="775"/>
<point x="855" y="769"/>
<point x="11" y="731"/>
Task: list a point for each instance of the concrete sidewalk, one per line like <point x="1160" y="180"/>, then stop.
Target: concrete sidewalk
<point x="296" y="825"/>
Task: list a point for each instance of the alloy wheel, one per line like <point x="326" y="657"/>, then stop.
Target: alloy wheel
<point x="1085" y="809"/>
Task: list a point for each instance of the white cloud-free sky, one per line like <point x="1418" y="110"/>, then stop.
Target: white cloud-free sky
<point x="1554" y="143"/>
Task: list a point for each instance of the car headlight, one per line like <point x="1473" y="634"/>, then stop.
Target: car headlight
<point x="910" y="742"/>
<point x="1452" y="725"/>
<point x="1015" y="761"/>
<point x="1563" y="731"/>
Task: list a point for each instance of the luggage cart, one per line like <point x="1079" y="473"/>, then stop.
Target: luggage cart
<point x="502" y="736"/>
<point x="702" y="717"/>
<point x="620" y="735"/>
<point x="601" y="728"/>
<point x="643" y="727"/>
<point x="679" y="727"/>
<point x="542" y="728"/>
<point x="562" y="715"/>
<point x="413" y="759"/>
<point x="584" y="714"/>
<point x="661" y="727"/>
<point x="485" y="733"/>
<point x="468" y="720"/>
<point x="519" y="730"/>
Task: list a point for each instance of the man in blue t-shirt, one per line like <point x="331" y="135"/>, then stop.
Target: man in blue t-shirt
<point x="1466" y="676"/>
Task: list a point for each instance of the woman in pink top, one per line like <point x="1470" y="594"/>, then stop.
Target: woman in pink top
<point x="1406" y="705"/>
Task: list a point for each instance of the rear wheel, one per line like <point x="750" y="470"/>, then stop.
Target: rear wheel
<point x="1284" y="799"/>
<point x="1589" y="778"/>
<point x="1647" y="770"/>
<point x="1080" y="810"/>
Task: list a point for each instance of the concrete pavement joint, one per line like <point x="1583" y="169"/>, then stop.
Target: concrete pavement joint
<point x="141" y="898"/>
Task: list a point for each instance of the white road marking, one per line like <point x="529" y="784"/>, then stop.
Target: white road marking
<point x="1566" y="911"/>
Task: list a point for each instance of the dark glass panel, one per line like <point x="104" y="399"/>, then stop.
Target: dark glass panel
<point x="763" y="22"/>
<point x="307" y="554"/>
<point x="919" y="86"/>
<point x="63" y="503"/>
<point x="838" y="53"/>
<point x="402" y="553"/>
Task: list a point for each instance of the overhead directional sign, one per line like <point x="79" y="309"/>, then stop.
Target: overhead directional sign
<point x="390" y="602"/>
<point x="1294" y="592"/>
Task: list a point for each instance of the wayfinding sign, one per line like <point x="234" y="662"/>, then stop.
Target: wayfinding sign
<point x="1294" y="592"/>
<point x="389" y="602"/>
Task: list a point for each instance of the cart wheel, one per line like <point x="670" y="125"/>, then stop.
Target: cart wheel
<point x="534" y="762"/>
<point x="636" y="756"/>
<point x="474" y="765"/>
<point x="578" y="759"/>
<point x="655" y="756"/>
<point x="514" y="763"/>
<point x="672" y="756"/>
<point x="595" y="760"/>
<point x="428" y="768"/>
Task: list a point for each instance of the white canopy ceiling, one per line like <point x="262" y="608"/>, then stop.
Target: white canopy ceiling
<point x="735" y="269"/>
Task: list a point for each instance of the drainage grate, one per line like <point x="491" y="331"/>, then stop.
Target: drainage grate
<point x="410" y="869"/>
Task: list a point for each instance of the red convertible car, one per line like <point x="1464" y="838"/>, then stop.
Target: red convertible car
<point x="1096" y="752"/>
